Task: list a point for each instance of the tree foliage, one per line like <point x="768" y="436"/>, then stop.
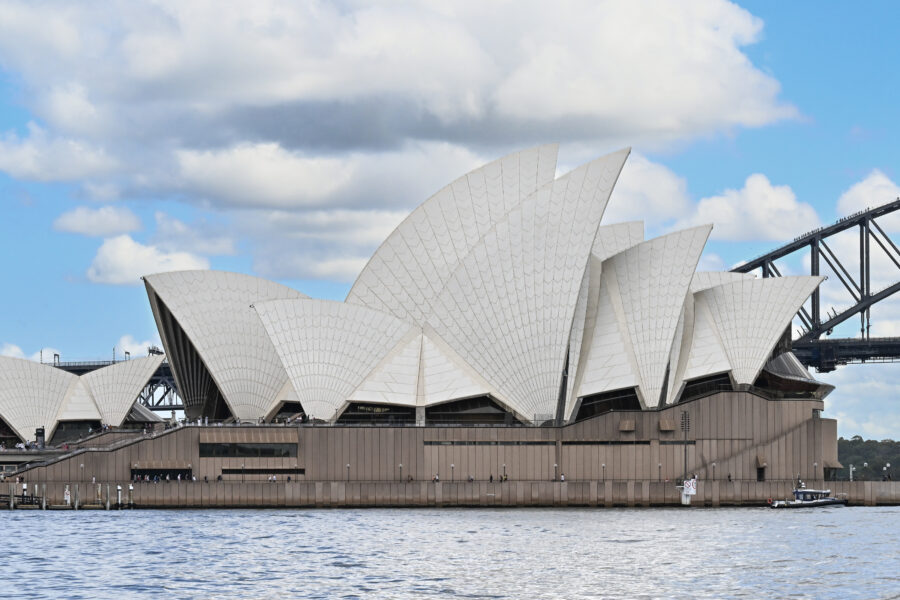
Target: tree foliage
<point x="869" y="458"/>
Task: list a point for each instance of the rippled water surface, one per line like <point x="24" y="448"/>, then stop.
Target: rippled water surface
<point x="521" y="553"/>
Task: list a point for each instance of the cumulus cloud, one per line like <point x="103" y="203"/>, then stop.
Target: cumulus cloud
<point x="319" y="106"/>
<point x="649" y="192"/>
<point x="758" y="211"/>
<point x="268" y="175"/>
<point x="173" y="235"/>
<point x="121" y="260"/>
<point x="103" y="222"/>
<point x="876" y="189"/>
<point x="322" y="244"/>
<point x="127" y="343"/>
<point x="41" y="156"/>
<point x="11" y="350"/>
<point x="41" y="355"/>
<point x="288" y="72"/>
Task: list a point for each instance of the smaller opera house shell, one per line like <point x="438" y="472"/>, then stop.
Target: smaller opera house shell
<point x="499" y="300"/>
<point x="41" y="396"/>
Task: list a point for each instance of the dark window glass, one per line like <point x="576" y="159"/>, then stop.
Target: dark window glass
<point x="247" y="450"/>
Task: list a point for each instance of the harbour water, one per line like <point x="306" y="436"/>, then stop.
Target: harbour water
<point x="453" y="553"/>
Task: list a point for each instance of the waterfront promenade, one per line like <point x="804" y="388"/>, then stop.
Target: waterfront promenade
<point x="324" y="494"/>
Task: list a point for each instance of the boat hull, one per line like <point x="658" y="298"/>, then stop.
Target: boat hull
<point x="808" y="503"/>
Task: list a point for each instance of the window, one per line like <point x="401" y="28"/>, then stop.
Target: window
<point x="760" y="473"/>
<point x="247" y="450"/>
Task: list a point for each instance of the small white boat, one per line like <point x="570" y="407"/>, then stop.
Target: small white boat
<point x="805" y="498"/>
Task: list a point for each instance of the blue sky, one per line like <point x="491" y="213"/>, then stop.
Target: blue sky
<point x="286" y="140"/>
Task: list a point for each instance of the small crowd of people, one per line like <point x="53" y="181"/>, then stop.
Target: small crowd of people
<point x="21" y="446"/>
<point x="470" y="479"/>
<point x="163" y="477"/>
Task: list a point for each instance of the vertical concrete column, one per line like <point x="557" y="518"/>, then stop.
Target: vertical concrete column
<point x="607" y="493"/>
<point x="420" y="416"/>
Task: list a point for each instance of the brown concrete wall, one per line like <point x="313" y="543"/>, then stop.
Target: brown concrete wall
<point x="730" y="434"/>
<point x="512" y="493"/>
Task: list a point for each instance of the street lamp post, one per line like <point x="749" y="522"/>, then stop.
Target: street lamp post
<point x="555" y="469"/>
<point x="504" y="469"/>
<point x="401" y="471"/>
<point x="852" y="468"/>
<point x="452" y="467"/>
<point x="82" y="471"/>
<point x="888" y="465"/>
<point x="242" y="472"/>
<point x="815" y="470"/>
<point x="714" y="471"/>
<point x="604" y="471"/>
<point x="348" y="471"/>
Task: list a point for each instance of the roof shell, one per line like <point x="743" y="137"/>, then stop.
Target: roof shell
<point x="213" y="309"/>
<point x="407" y="272"/>
<point x="32" y="394"/>
<point x="328" y="348"/>
<point x="652" y="280"/>
<point x="751" y="315"/>
<point x="110" y="385"/>
<point x="510" y="303"/>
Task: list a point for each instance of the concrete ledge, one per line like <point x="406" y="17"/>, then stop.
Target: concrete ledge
<point x="322" y="494"/>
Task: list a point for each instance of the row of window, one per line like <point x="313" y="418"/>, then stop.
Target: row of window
<point x="247" y="450"/>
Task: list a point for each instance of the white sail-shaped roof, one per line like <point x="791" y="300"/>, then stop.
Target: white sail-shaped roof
<point x="79" y="404"/>
<point x="31" y="395"/>
<point x="608" y="363"/>
<point x="115" y="388"/>
<point x="328" y="348"/>
<point x="653" y="279"/>
<point x="707" y="354"/>
<point x="213" y="310"/>
<point x="705" y="362"/>
<point x="421" y="371"/>
<point x="752" y="314"/>
<point x="610" y="240"/>
<point x="396" y="379"/>
<point x="444" y="376"/>
<point x="510" y="304"/>
<point x="410" y="268"/>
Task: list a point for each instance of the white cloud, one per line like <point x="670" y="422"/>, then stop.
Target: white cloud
<point x="122" y="261"/>
<point x="127" y="343"/>
<point x="267" y="175"/>
<point x="41" y="355"/>
<point x="173" y="235"/>
<point x="652" y="70"/>
<point x="11" y="350"/>
<point x="758" y="211"/>
<point x="649" y="192"/>
<point x="864" y="399"/>
<point x="44" y="157"/>
<point x="319" y="244"/>
<point x="876" y="189"/>
<point x="264" y="174"/>
<point x="710" y="261"/>
<point x="102" y="222"/>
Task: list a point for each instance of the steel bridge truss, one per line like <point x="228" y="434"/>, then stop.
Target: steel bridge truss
<point x="825" y="354"/>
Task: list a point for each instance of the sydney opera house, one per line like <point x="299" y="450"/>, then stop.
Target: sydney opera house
<point x="501" y="327"/>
